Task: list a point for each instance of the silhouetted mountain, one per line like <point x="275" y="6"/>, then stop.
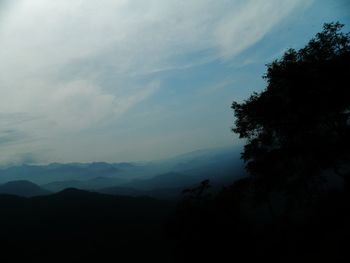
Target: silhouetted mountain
<point x="160" y="193"/>
<point x="74" y="193"/>
<point x="61" y="185"/>
<point x="22" y="188"/>
<point x="78" y="225"/>
<point x="42" y="174"/>
<point x="221" y="166"/>
<point x="92" y="184"/>
<point x="119" y="190"/>
<point x="167" y="180"/>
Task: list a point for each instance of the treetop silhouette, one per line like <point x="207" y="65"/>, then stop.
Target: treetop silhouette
<point x="299" y="124"/>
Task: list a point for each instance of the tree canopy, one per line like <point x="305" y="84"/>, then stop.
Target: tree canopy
<point x="299" y="124"/>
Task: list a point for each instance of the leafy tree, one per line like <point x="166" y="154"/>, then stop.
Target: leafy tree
<point x="299" y="124"/>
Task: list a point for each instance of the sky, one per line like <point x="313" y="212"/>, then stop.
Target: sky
<point x="131" y="80"/>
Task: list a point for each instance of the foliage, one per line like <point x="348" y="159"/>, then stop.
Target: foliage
<point x="198" y="192"/>
<point x="299" y="125"/>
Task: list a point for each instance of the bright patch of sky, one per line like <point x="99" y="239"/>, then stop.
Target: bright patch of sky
<point x="121" y="80"/>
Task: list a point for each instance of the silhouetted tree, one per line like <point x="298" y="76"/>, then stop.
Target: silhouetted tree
<point x="296" y="128"/>
<point x="200" y="192"/>
<point x="299" y="124"/>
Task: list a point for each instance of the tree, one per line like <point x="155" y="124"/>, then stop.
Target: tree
<point x="299" y="124"/>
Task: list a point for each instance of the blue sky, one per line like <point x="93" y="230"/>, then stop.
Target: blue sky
<point x="131" y="80"/>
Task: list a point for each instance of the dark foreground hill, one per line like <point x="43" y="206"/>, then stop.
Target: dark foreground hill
<point x="75" y="225"/>
<point x="160" y="193"/>
<point x="22" y="188"/>
<point x="81" y="226"/>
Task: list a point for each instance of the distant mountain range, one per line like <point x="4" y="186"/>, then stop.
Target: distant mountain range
<point x="28" y="189"/>
<point x="222" y="166"/>
<point x="59" y="172"/>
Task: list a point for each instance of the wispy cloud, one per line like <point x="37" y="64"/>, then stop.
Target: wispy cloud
<point x="57" y="57"/>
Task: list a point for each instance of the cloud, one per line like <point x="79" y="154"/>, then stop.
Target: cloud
<point x="255" y="19"/>
<point x="72" y="65"/>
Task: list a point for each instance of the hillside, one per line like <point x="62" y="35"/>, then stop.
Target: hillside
<point x="22" y="188"/>
<point x="81" y="225"/>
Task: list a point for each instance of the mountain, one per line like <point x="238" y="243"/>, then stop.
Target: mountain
<point x="222" y="166"/>
<point x="160" y="193"/>
<point x="22" y="188"/>
<point x="167" y="180"/>
<point x="80" y="226"/>
<point x="91" y="184"/>
<point x="43" y="174"/>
